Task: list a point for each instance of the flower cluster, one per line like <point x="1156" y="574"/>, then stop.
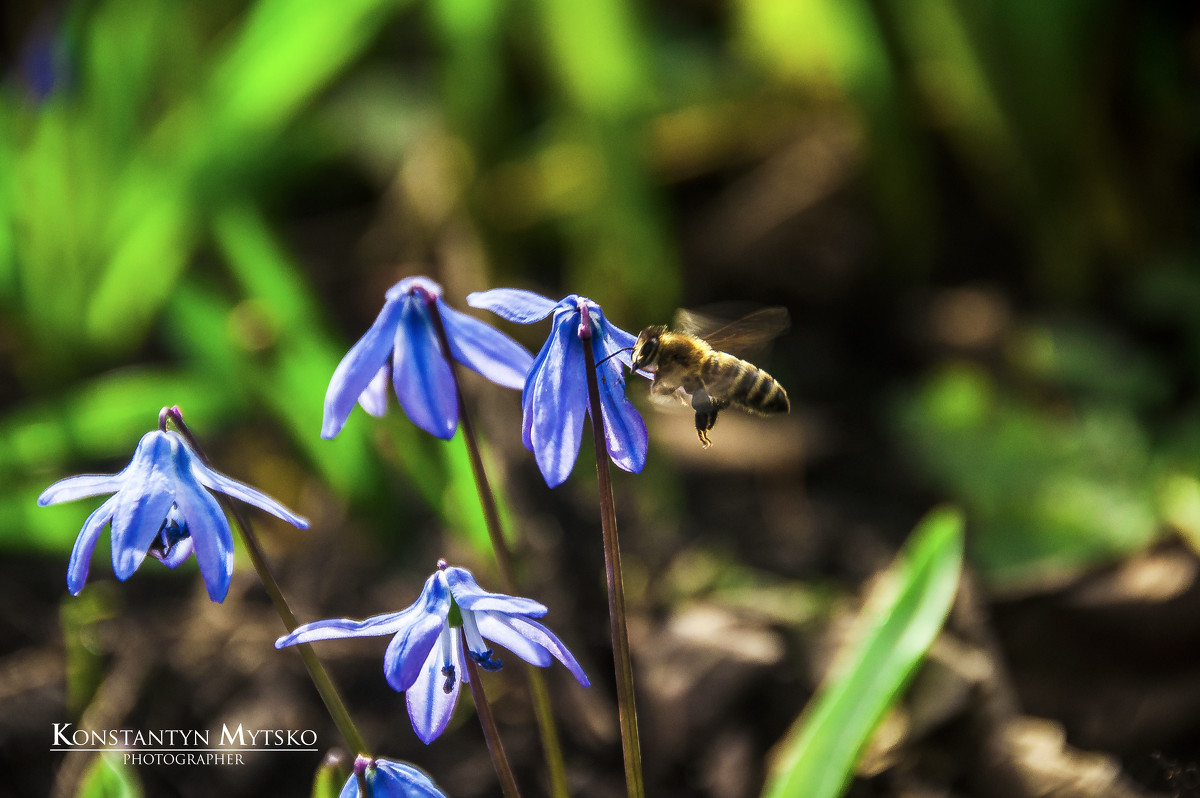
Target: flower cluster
<point x="162" y="503"/>
<point x="453" y="616"/>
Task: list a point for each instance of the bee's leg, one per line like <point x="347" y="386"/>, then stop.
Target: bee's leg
<point x="662" y="387"/>
<point x="706" y="414"/>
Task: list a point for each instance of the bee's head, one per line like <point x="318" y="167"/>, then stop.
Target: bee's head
<point x="645" y="351"/>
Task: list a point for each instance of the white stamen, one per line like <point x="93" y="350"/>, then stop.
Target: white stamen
<point x="475" y="642"/>
<point x="446" y="644"/>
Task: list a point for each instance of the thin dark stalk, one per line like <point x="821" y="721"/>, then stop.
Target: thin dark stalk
<point x="491" y="734"/>
<point x="623" y="663"/>
<point x="491" y="513"/>
<point x="539" y="694"/>
<point x="316" y="671"/>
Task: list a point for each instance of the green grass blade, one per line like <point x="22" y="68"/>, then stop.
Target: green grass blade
<point x="330" y="776"/>
<point x="109" y="777"/>
<point x="897" y="626"/>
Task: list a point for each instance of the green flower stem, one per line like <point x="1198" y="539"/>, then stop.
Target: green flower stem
<point x="508" y="783"/>
<point x="539" y="694"/>
<point x="316" y="671"/>
<point x="626" y="702"/>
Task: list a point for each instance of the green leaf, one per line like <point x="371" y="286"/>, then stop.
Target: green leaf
<point x="109" y="777"/>
<point x="899" y="622"/>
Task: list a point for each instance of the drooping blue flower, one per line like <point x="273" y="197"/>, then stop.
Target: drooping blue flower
<point x="161" y="506"/>
<point x="402" y="348"/>
<point x="555" y="398"/>
<point x="389" y="779"/>
<point x="425" y="658"/>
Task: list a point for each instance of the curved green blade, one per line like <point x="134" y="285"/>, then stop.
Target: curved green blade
<point x="109" y="777"/>
<point x="905" y="613"/>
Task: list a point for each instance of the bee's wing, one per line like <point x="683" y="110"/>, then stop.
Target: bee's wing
<point x="746" y="334"/>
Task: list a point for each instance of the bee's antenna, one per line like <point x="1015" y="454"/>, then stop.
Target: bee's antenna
<point x="614" y="354"/>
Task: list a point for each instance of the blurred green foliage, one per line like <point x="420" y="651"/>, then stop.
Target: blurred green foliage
<point x="1051" y="492"/>
<point x="1067" y="456"/>
<point x="148" y="253"/>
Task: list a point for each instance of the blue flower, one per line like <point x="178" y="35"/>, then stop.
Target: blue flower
<point x="402" y="348"/>
<point x="161" y="506"/>
<point x="425" y="658"/>
<point x="555" y="398"/>
<point x="388" y="779"/>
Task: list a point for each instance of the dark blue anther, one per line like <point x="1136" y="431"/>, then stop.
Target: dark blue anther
<point x="171" y="533"/>
<point x="484" y="660"/>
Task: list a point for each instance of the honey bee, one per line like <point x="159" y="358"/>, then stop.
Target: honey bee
<point x="684" y="361"/>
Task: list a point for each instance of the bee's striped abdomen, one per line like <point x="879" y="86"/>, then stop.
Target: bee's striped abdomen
<point x="766" y="395"/>
<point x="741" y="383"/>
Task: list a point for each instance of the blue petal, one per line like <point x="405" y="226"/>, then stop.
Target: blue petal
<point x="72" y="488"/>
<point x="215" y="480"/>
<point x="85" y="544"/>
<point x="358" y="367"/>
<point x="143" y="502"/>
<point x="625" y="434"/>
<point x="81" y="487"/>
<point x="374" y="399"/>
<point x="393" y="780"/>
<point x="350" y="788"/>
<point x="513" y="304"/>
<point x="613" y="337"/>
<point x="421" y="376"/>
<point x="527" y="394"/>
<point x="558" y="402"/>
<point x="398" y="780"/>
<point x="470" y="596"/>
<point x="211" y="536"/>
<point x="500" y="633"/>
<point x="504" y="629"/>
<point x="412" y="643"/>
<point x="429" y="705"/>
<point x="617" y="344"/>
<point x="333" y="628"/>
<point x="484" y="349"/>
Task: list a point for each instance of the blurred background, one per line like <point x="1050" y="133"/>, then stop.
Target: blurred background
<point x="982" y="216"/>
